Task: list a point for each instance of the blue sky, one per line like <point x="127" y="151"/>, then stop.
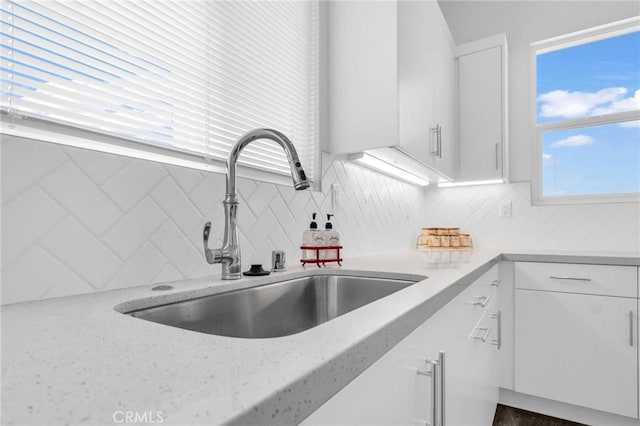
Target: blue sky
<point x="597" y="78"/>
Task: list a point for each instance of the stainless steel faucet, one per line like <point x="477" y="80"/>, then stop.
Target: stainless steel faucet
<point x="229" y="254"/>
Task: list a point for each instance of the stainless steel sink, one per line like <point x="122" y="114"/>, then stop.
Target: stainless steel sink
<point x="274" y="310"/>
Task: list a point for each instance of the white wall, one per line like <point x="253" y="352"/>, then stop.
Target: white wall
<point x="525" y="22"/>
<point x="77" y="221"/>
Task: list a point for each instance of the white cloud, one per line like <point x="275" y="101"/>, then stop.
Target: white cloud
<point x="571" y="141"/>
<point x="626" y="104"/>
<point x="546" y="158"/>
<point x="565" y="104"/>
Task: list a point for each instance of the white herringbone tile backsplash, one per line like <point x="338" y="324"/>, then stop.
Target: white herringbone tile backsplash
<point x="77" y="221"/>
<point x="585" y="227"/>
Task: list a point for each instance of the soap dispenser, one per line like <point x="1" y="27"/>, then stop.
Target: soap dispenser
<point x="311" y="238"/>
<point x="330" y="237"/>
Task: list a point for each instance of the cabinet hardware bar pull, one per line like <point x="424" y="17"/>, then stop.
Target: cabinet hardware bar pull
<point x="433" y="130"/>
<point x="497" y="164"/>
<point x="439" y="141"/>
<point x="433" y="373"/>
<point x="481" y="301"/>
<point x="484" y="337"/>
<point x="562" y="277"/>
<point x="631" y="328"/>
<point x="498" y="316"/>
<point x="441" y="367"/>
<point x="434" y="393"/>
<point x="495" y="283"/>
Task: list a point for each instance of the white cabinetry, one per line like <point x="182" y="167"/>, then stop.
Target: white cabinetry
<point x="399" y="388"/>
<point x="363" y="75"/>
<point x="483" y="122"/>
<point x="426" y="90"/>
<point x="576" y="336"/>
<point x="392" y="80"/>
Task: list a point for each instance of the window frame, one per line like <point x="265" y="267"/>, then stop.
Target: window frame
<point x="601" y="32"/>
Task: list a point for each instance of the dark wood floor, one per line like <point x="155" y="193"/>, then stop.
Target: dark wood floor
<point x="509" y="416"/>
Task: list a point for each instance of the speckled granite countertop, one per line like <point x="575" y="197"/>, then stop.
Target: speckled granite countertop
<point x="78" y="360"/>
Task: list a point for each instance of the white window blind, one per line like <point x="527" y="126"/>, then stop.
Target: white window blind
<point x="189" y="76"/>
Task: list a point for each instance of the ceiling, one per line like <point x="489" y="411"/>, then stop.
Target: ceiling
<point x="526" y="21"/>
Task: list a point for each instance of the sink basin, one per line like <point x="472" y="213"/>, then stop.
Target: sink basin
<point x="274" y="310"/>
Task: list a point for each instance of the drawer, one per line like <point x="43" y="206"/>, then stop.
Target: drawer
<point x="488" y="327"/>
<point x="577" y="278"/>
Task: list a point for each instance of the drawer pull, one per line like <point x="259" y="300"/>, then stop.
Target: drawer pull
<point x="484" y="336"/>
<point x="631" y="328"/>
<point x="495" y="283"/>
<point x="498" y="317"/>
<point x="435" y="378"/>
<point x="482" y="301"/>
<point x="441" y="357"/>
<point x="562" y="277"/>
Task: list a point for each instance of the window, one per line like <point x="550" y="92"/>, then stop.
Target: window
<point x="183" y="78"/>
<point x="588" y="115"/>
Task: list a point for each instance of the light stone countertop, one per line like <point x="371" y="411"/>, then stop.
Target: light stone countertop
<point x="78" y="360"/>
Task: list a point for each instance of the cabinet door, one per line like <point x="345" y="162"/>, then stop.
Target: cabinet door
<point x="363" y="71"/>
<point x="471" y="377"/>
<point x="577" y="349"/>
<point x="445" y="102"/>
<point x="390" y="392"/>
<point x="426" y="76"/>
<point x="481" y="113"/>
<point x="416" y="34"/>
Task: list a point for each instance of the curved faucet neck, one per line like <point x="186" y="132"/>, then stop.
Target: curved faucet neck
<point x="274" y="135"/>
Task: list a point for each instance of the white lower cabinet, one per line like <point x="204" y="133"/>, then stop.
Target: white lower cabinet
<point x="448" y="364"/>
<point x="573" y="346"/>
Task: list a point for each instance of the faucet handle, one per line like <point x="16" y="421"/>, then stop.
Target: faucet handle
<point x="205" y="235"/>
<point x="205" y="239"/>
<point x="213" y="256"/>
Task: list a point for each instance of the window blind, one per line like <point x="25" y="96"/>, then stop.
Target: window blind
<point x="189" y="76"/>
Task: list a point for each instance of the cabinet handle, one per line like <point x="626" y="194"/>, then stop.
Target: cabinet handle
<point x="441" y="367"/>
<point x="631" y="328"/>
<point x="481" y="301"/>
<point x="434" y="130"/>
<point x="439" y="140"/>
<point x="498" y="317"/>
<point x="484" y="337"/>
<point x="495" y="283"/>
<point x="497" y="164"/>
<point x="563" y="277"/>
<point x="433" y="373"/>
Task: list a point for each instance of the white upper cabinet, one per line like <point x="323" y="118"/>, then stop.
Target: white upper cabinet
<point x="392" y="80"/>
<point x="482" y="99"/>
<point x="363" y="75"/>
<point x="426" y="72"/>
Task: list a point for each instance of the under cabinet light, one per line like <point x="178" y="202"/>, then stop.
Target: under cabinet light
<point x="469" y="183"/>
<point x="387" y="168"/>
